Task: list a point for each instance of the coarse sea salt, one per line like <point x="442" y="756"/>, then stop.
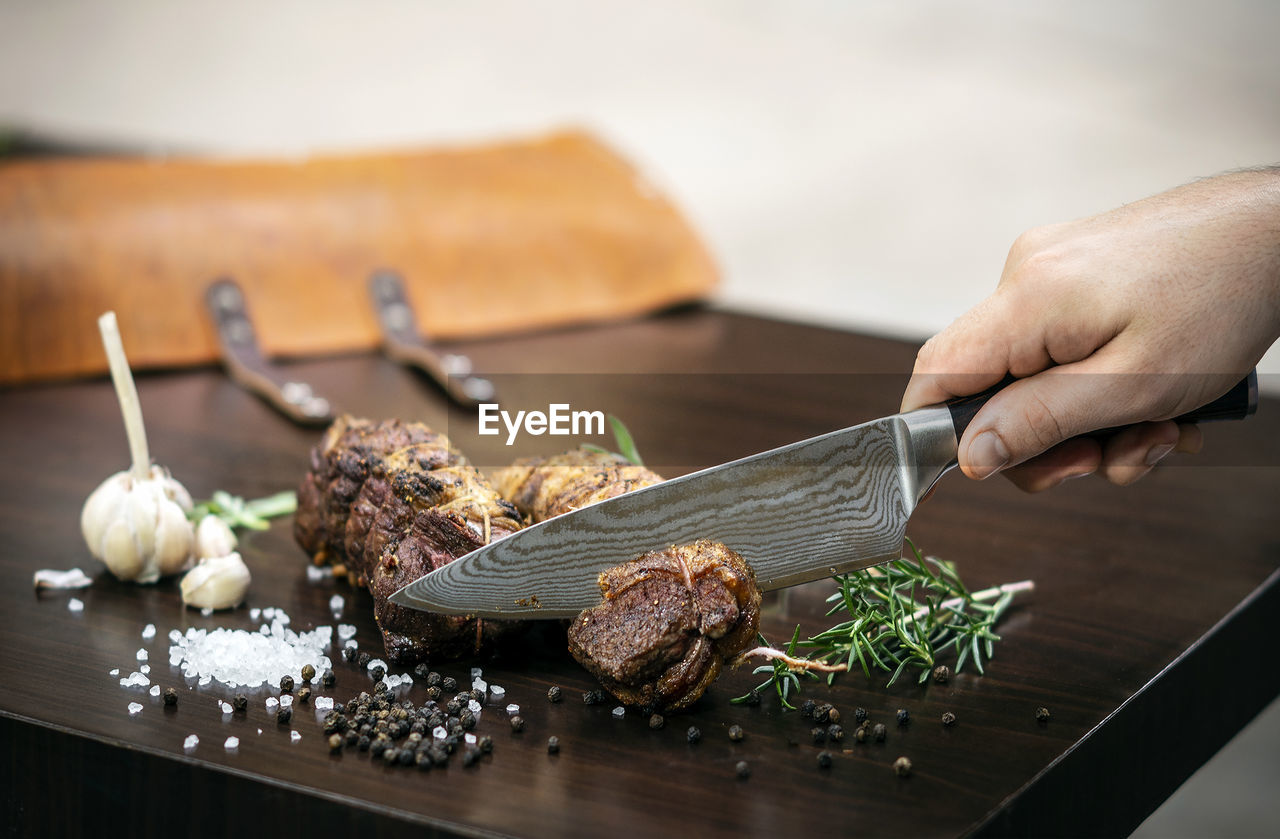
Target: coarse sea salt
<point x="254" y="614"/>
<point x="293" y="736"/>
<point x="480" y="685"/>
<point x="335" y="605"/>
<point x="134" y="709"/>
<point x="318" y="573"/>
<point x="474" y="706"/>
<point x="189" y="744"/>
<point x="75" y="604"/>
<point x="439" y="732"/>
<point x="226" y="707"/>
<point x="497" y="691"/>
<point x="324" y="703"/>
<point x="469" y="738"/>
<point x="513" y="709"/>
<point x="239" y="658"/>
<point x="272" y="702"/>
<point x="148" y="632"/>
<point x="286" y="701"/>
<point x="619" y="712"/>
<point x="155" y="690"/>
<point x="115" y="671"/>
<point x="141" y="655"/>
<point x="377" y="662"/>
<point x="145" y="669"/>
<point x="346" y="630"/>
<point x="231" y="744"/>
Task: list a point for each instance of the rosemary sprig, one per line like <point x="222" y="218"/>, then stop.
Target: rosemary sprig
<point x="238" y="512"/>
<point x="626" y="445"/>
<point x="907" y="613"/>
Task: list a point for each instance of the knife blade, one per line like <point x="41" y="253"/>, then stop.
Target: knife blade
<point x="812" y="509"/>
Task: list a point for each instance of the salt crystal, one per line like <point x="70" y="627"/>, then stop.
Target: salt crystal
<point x="377" y="662"/>
<point x="406" y="679"/>
<point x="272" y="702"/>
<point x="175" y="637"/>
<point x="75" y="604"/>
<point x="346" y="630"/>
<point x="142" y="654"/>
<point x="145" y="669"/>
<point x="225" y="706"/>
<point x="236" y="657"/>
<point x="351" y="644"/>
<point x="259" y="730"/>
<point x="232" y="744"/>
<point x="474" y="706"/>
<point x="335" y="605"/>
<point x="324" y="703"/>
<point x="134" y="709"/>
<point x="148" y="632"/>
<point x="286" y="701"/>
<point x="513" y="709"/>
<point x="480" y="685"/>
<point x="497" y="691"/>
<point x="155" y="690"/>
<point x="206" y="611"/>
<point x="293" y="736"/>
<point x="476" y="673"/>
<point x="439" y="732"/>
<point x="268" y="613"/>
<point x="204" y="680"/>
<point x="470" y="738"/>
<point x="619" y="712"/>
<point x="114" y="671"/>
<point x="391" y="681"/>
<point x="254" y="614"/>
<point x="317" y="573"/>
<point x="189" y="744"/>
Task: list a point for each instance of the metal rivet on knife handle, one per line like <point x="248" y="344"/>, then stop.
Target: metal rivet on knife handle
<point x="246" y="365"/>
<point x="402" y="342"/>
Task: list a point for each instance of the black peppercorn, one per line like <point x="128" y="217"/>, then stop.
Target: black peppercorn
<point x="468" y="720"/>
<point x="1042" y="715"/>
<point x="335" y="742"/>
<point x="284" y="715"/>
<point x="405" y="758"/>
<point x="363" y="743"/>
<point x="553" y="745"/>
<point x="743" y="769"/>
<point x="904" y="716"/>
<point x="327" y="678"/>
<point x="376" y="673"/>
<point x="363" y="659"/>
<point x="860" y="715"/>
<point x="391" y="756"/>
<point x="822" y="713"/>
<point x="517" y="724"/>
<point x="486" y="744"/>
<point x="656" y="721"/>
<point x="434" y="679"/>
<point x="819" y="735"/>
<point x="378" y="746"/>
<point x="835" y="733"/>
<point x="349" y="654"/>
<point x="553" y="693"/>
<point x="304" y="695"/>
<point x="693" y="735"/>
<point x="421" y="671"/>
<point x="470" y="757"/>
<point x="753" y="698"/>
<point x="948" y="718"/>
<point x="807" y="708"/>
<point x="380" y="687"/>
<point x="824" y="760"/>
<point x="352" y="738"/>
<point x="433" y="693"/>
<point x="439" y="755"/>
<point x="878" y="732"/>
<point x="902" y="766"/>
<point x="942" y="674"/>
<point x="736" y="733"/>
<point x="861" y="732"/>
<point x="453" y="707"/>
<point x="308" y="673"/>
<point x="422" y="760"/>
<point x="286" y="684"/>
<point x="449" y="684"/>
<point x="171" y="698"/>
<point x="593" y="697"/>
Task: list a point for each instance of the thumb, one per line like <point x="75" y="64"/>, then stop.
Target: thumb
<point x="1034" y="414"/>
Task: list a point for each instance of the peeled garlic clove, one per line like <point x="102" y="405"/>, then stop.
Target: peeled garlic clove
<point x="214" y="537"/>
<point x="218" y="582"/>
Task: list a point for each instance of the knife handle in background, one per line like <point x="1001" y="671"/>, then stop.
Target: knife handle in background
<point x="1236" y="404"/>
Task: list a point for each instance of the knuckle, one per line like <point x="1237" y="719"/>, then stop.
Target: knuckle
<point x="1044" y="426"/>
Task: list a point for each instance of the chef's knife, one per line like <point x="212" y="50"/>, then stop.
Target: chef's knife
<point x="823" y="506"/>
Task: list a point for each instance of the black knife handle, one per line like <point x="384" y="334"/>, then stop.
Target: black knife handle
<point x="1236" y="404"/>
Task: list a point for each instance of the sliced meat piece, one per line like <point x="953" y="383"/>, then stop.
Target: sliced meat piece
<point x="543" y="487"/>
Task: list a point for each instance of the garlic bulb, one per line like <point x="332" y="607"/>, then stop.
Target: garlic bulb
<point x="136" y="521"/>
<point x="214" y="537"/>
<point x="139" y="528"/>
<point x="218" y="582"/>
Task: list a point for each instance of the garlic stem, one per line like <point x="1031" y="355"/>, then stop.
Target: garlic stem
<point x="127" y="395"/>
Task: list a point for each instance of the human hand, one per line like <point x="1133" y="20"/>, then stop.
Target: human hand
<point x="1130" y="317"/>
